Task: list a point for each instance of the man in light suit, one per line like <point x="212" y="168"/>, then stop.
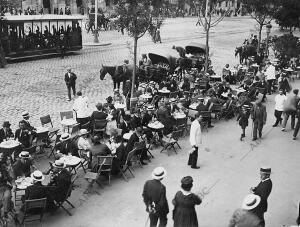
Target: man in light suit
<point x="195" y="141"/>
<point x="263" y="189"/>
<point x="70" y="79"/>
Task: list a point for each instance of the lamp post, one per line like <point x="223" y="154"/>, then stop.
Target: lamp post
<point x="268" y="26"/>
<point x="96" y="40"/>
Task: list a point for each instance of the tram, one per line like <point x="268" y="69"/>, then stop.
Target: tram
<point x="32" y="36"/>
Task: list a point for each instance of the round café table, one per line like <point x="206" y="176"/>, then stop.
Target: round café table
<point x="119" y="106"/>
<point x="8" y="147"/>
<point x="179" y="116"/>
<point x="193" y="106"/>
<point x="68" y="123"/>
<point x="155" y="127"/>
<point x="21" y="185"/>
<point x="127" y="136"/>
<point x="72" y="162"/>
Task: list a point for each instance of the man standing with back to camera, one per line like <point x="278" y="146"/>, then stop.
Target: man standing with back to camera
<point x="70" y="79"/>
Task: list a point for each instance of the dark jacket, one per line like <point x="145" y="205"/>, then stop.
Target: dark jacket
<point x="263" y="189"/>
<point x="20" y="168"/>
<point x="125" y="127"/>
<point x="155" y="191"/>
<point x="135" y="122"/>
<point x="23" y="137"/>
<point x="35" y="191"/>
<point x="5" y="135"/>
<point x="70" y="80"/>
<point x="259" y="113"/>
<point x="121" y="154"/>
<point x="68" y="146"/>
<point x="28" y="126"/>
<point x="130" y="145"/>
<point x="59" y="185"/>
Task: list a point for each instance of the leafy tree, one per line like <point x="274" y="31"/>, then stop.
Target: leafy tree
<point x="262" y="11"/>
<point x="205" y="10"/>
<point x="288" y="15"/>
<point x="285" y="46"/>
<point x="136" y="17"/>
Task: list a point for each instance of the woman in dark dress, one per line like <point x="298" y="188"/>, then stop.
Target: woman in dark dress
<point x="184" y="213"/>
<point x="242" y="118"/>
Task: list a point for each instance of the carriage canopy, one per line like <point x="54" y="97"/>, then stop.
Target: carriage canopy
<point x="195" y="48"/>
<point x="166" y="58"/>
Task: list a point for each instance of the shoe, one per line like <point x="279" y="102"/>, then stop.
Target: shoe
<point x="294" y="138"/>
<point x="69" y="100"/>
<point x="243" y="135"/>
<point x="260" y="135"/>
<point x="195" y="167"/>
<point x="283" y="129"/>
<point x="210" y="126"/>
<point x="275" y="125"/>
<point x="254" y="139"/>
<point x="144" y="163"/>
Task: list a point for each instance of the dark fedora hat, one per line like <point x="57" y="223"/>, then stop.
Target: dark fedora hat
<point x="188" y="180"/>
<point x="6" y="124"/>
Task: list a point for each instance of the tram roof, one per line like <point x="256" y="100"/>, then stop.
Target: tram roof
<point x="46" y="17"/>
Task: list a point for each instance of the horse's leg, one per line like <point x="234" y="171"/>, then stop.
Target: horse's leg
<point x="115" y="84"/>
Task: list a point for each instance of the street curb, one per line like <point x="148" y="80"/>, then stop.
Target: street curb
<point x="96" y="44"/>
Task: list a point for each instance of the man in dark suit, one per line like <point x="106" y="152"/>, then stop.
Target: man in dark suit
<point x="22" y="135"/>
<point x="98" y="114"/>
<point x="67" y="145"/>
<point x="125" y="124"/>
<point x="259" y="117"/>
<point x="263" y="189"/>
<point x="134" y="138"/>
<point x="136" y="120"/>
<point x="37" y="190"/>
<point x="70" y="79"/>
<point x="154" y="195"/>
<point x="60" y="181"/>
<point x="6" y="132"/>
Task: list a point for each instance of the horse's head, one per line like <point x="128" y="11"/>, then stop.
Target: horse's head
<point x="103" y="72"/>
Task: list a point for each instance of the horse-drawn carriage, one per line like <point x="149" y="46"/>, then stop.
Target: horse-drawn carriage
<point x="197" y="52"/>
<point x="163" y="63"/>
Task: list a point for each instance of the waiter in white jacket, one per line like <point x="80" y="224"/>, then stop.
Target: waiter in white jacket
<point x="270" y="74"/>
<point x="196" y="141"/>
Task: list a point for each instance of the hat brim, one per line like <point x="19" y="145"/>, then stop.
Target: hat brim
<point x="246" y="207"/>
<point x="158" y="177"/>
<point x="20" y="156"/>
<point x="61" y="139"/>
<point x="32" y="177"/>
<point x="59" y="167"/>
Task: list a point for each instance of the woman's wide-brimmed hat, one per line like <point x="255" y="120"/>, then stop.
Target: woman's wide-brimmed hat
<point x="159" y="173"/>
<point x="37" y="176"/>
<point x="250" y="202"/>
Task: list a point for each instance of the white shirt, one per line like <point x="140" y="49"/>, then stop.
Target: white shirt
<point x="270" y="73"/>
<point x="279" y="102"/>
<point x="83" y="144"/>
<point x="195" y="134"/>
<point x="81" y="108"/>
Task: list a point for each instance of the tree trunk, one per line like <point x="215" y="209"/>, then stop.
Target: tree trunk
<point x="207" y="48"/>
<point x="259" y="37"/>
<point x="134" y="66"/>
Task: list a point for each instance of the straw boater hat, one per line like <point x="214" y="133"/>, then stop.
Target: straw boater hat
<point x="150" y="107"/>
<point x="25" y="114"/>
<point x="265" y="169"/>
<point x="24" y="154"/>
<point x="250" y="202"/>
<point x="159" y="173"/>
<point x="59" y="164"/>
<point x="37" y="176"/>
<point x="172" y="100"/>
<point x="65" y="137"/>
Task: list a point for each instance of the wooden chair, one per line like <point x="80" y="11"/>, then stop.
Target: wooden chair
<point x="85" y="160"/>
<point x="67" y="114"/>
<point x="105" y="165"/>
<point x="53" y="146"/>
<point x="46" y="120"/>
<point x="60" y="204"/>
<point x="42" y="140"/>
<point x="75" y="129"/>
<point x="34" y="210"/>
<point x="170" y="143"/>
<point x="99" y="126"/>
<point x="217" y="110"/>
<point x="127" y="166"/>
<point x="138" y="148"/>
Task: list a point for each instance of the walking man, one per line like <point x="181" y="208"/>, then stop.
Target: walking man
<point x="195" y="141"/>
<point x="70" y="79"/>
<point x="263" y="189"/>
<point x="259" y="117"/>
<point x="298" y="122"/>
<point x="290" y="108"/>
<point x="154" y="195"/>
<point x="279" y="105"/>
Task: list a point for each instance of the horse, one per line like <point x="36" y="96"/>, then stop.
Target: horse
<point x="118" y="74"/>
<point x="245" y="52"/>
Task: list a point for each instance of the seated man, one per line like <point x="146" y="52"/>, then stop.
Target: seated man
<point x="24" y="166"/>
<point x="98" y="149"/>
<point x="137" y="137"/>
<point x="98" y="114"/>
<point x="125" y="124"/>
<point x="201" y="107"/>
<point x="5" y="192"/>
<point x="67" y="146"/>
<point x="28" y="126"/>
<point x="6" y="132"/>
<point x="120" y="155"/>
<point x="136" y="120"/>
<point x="22" y="135"/>
<point x="228" y="111"/>
<point x="164" y="116"/>
<point x="36" y="190"/>
<point x="60" y="181"/>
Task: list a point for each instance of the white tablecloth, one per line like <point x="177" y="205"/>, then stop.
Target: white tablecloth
<point x="70" y="160"/>
<point x="23" y="183"/>
<point x="68" y="122"/>
<point x="156" y="125"/>
<point x="9" y="144"/>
